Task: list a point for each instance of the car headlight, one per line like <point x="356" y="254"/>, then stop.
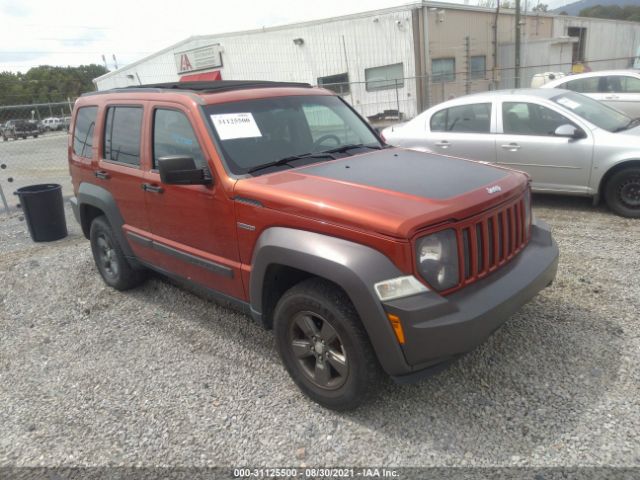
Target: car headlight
<point x="437" y="259"/>
<point x="399" y="287"/>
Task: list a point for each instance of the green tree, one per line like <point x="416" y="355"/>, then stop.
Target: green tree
<point x="614" y="12"/>
<point x="47" y="84"/>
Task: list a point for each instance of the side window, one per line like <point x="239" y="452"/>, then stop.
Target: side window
<point x="474" y="118"/>
<point x="614" y="83"/>
<point x="630" y="84"/>
<point x="583" y="85"/>
<point x="83" y="131"/>
<point x="382" y="78"/>
<point x="173" y="135"/>
<point x="443" y="70"/>
<point x="439" y="121"/>
<point x="530" y="119"/>
<point x="122" y="135"/>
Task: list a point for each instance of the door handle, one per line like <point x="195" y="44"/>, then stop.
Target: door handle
<point x="443" y="144"/>
<point x="611" y="97"/>
<point x="101" y="174"/>
<point x="148" y="187"/>
<point x="512" y="147"/>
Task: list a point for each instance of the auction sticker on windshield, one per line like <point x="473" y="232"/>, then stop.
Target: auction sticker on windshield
<point x="235" y="125"/>
<point x="568" y="103"/>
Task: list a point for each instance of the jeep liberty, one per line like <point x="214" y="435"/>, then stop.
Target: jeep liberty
<point x="280" y="200"/>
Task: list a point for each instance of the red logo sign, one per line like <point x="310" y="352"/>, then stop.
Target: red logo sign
<point x="185" y="64"/>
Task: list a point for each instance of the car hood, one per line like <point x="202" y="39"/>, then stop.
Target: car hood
<point x="395" y="192"/>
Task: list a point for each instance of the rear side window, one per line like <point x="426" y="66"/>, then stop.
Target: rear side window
<point x="173" y="135"/>
<point x="474" y="118"/>
<point x="122" y="135"/>
<point x="585" y="85"/>
<point x="83" y="131"/>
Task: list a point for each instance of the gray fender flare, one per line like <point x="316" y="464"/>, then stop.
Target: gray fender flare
<point x="89" y="194"/>
<point x="354" y="267"/>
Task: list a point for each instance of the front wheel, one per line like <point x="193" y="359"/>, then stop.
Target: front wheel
<point x="323" y="345"/>
<point x="111" y="262"/>
<point x="622" y="192"/>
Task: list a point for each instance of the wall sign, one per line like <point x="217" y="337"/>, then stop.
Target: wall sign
<point x="199" y="59"/>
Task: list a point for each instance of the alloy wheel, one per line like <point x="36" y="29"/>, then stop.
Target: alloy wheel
<point x="319" y="351"/>
<point x="107" y="256"/>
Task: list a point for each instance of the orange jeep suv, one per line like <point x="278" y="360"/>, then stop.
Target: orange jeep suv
<point x="281" y="201"/>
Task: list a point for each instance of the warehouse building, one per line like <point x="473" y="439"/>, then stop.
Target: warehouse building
<point x="393" y="63"/>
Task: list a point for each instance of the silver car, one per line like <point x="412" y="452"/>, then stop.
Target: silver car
<point x="568" y="143"/>
<point x="617" y="88"/>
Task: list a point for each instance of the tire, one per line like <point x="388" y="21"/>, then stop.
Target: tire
<point x="111" y="262"/>
<point x="622" y="192"/>
<point x="319" y="319"/>
<point x="35" y="136"/>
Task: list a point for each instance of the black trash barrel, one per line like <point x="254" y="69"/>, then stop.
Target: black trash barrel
<point x="44" y="211"/>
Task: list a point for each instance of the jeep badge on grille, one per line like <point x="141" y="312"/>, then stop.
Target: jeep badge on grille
<point x="494" y="189"/>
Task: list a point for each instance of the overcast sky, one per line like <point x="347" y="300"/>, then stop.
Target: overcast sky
<point x="74" y="32"/>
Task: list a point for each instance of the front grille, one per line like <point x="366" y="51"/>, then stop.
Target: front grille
<point x="491" y="240"/>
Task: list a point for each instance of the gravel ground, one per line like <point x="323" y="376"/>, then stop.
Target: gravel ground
<point x="160" y="377"/>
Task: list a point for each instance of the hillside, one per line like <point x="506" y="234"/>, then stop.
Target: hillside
<point x="575" y="7"/>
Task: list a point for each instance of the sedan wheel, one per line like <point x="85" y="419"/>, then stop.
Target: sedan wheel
<point x="622" y="192"/>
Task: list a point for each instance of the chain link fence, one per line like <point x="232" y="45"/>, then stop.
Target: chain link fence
<point x="33" y="147"/>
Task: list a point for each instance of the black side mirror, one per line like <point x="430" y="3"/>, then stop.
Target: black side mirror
<point x="181" y="170"/>
<point x="569" y="131"/>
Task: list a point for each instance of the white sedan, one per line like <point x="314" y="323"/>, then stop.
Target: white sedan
<point x="567" y="142"/>
<point x="617" y="88"/>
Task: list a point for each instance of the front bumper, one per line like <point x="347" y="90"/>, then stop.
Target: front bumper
<point x="439" y="328"/>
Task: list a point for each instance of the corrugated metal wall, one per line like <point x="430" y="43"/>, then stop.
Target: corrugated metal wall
<point x="609" y="43"/>
<point x="336" y="46"/>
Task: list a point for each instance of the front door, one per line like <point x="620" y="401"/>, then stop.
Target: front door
<point x="463" y="131"/>
<point x="528" y="143"/>
<point x="623" y="93"/>
<point x="193" y="226"/>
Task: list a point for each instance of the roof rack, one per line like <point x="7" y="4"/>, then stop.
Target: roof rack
<point x="204" y="87"/>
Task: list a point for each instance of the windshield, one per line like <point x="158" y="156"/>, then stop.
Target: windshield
<point x="258" y="132"/>
<point x="593" y="111"/>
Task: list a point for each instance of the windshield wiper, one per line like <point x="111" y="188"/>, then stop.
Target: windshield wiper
<point x="628" y="125"/>
<point x="286" y="160"/>
<point x="351" y="146"/>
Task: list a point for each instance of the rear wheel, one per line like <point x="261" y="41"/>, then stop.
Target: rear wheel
<point x="111" y="262"/>
<point x="323" y="345"/>
<point x="622" y="192"/>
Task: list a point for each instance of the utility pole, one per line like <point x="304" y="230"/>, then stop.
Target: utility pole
<point x="467" y="55"/>
<point x="494" y="69"/>
<point x="517" y="64"/>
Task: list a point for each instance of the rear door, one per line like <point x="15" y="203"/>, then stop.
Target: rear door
<point x="463" y="131"/>
<point x="119" y="169"/>
<point x="193" y="226"/>
<point x="623" y="92"/>
<point x="527" y="142"/>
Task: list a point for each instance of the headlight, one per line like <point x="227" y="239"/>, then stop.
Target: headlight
<point x="399" y="287"/>
<point x="527" y="211"/>
<point x="437" y="256"/>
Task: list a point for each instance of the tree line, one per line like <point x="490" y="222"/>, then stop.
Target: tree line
<point x="46" y="84"/>
<point x="615" y="12"/>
